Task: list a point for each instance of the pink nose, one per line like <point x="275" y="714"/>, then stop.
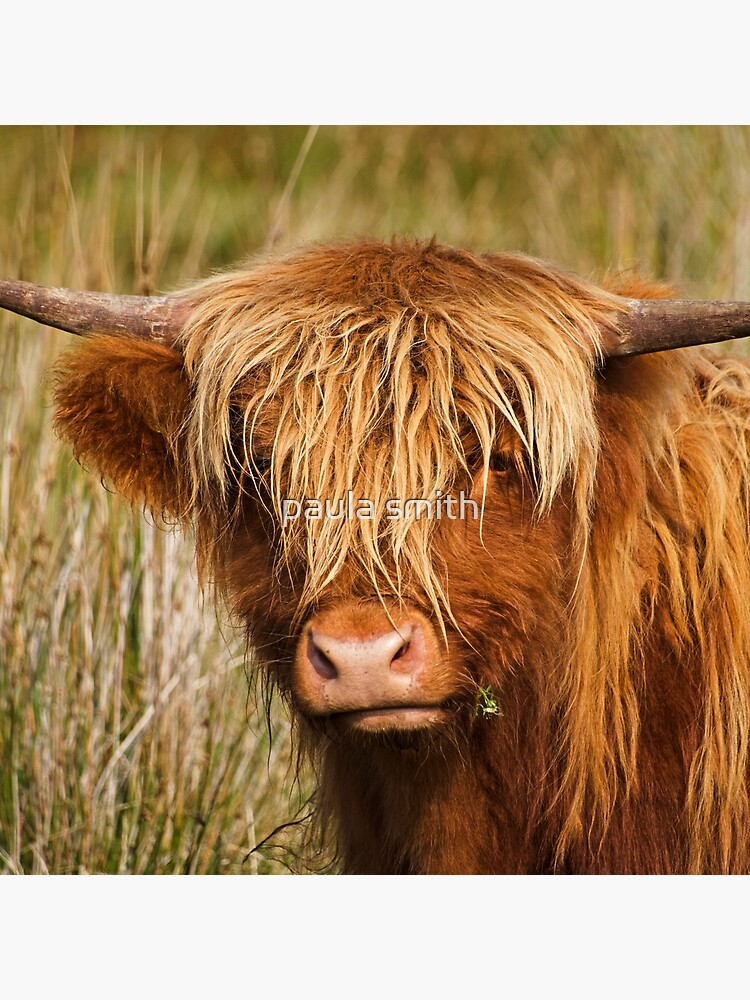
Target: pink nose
<point x="354" y="664"/>
<point x="335" y="656"/>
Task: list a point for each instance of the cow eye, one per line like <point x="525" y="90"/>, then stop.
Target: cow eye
<point x="504" y="461"/>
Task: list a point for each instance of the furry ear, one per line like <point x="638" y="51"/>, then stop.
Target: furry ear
<point x="121" y="404"/>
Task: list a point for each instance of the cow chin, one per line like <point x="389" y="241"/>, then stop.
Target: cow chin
<point x="360" y="669"/>
<point x="403" y="717"/>
<point x="402" y="727"/>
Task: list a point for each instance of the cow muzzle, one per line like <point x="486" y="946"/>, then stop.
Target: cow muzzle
<point x="366" y="671"/>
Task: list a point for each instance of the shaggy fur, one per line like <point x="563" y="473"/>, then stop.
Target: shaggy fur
<point x="602" y="596"/>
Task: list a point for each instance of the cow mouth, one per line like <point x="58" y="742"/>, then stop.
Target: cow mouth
<point x="390" y="719"/>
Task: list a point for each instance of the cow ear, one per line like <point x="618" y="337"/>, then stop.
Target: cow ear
<point x="121" y="404"/>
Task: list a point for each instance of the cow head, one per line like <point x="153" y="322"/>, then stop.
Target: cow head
<point x="387" y="453"/>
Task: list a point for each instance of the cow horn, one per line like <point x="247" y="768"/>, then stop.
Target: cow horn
<point x="650" y="325"/>
<point x="644" y="327"/>
<point x="152" y="318"/>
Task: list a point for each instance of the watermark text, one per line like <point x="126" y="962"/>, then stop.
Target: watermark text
<point x="442" y="506"/>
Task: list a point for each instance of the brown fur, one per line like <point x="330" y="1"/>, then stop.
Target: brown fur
<point x="604" y="597"/>
<point x="121" y="403"/>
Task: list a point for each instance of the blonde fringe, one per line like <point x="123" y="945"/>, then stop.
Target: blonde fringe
<point x="366" y="368"/>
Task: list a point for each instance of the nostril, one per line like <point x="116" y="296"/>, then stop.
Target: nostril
<point x="401" y="652"/>
<point x="319" y="660"/>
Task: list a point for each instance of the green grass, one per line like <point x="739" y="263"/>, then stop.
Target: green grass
<point x="128" y="739"/>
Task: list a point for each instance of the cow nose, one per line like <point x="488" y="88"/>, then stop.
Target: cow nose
<point x="344" y="665"/>
<point x="335" y="656"/>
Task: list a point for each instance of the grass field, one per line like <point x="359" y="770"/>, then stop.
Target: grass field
<point x="130" y="740"/>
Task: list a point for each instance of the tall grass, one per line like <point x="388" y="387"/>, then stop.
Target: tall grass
<point x="128" y="739"/>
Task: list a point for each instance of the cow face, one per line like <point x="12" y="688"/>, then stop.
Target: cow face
<point x="363" y="662"/>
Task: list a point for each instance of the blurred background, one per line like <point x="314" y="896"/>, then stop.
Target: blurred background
<point x="130" y="739"/>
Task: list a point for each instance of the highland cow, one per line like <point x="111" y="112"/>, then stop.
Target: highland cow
<point x="559" y="685"/>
